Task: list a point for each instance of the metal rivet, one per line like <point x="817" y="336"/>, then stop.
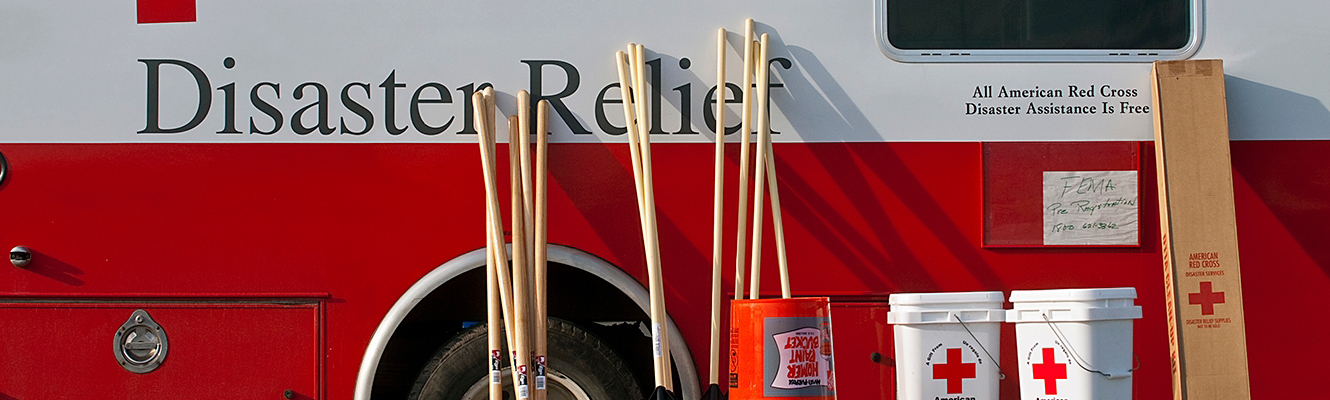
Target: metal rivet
<point x="20" y="256"/>
<point x="4" y="168"/>
<point x="875" y="356"/>
<point x="289" y="394"/>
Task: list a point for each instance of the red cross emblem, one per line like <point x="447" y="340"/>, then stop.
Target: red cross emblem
<point x="1206" y="298"/>
<point x="1050" y="371"/>
<point x="953" y="372"/>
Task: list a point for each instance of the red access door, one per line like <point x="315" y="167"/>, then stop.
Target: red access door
<point x="860" y="330"/>
<point x="215" y="350"/>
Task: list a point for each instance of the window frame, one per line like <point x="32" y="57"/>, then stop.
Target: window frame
<point x="1036" y="55"/>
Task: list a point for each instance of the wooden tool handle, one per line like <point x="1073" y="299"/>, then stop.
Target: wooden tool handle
<point x="626" y="62"/>
<point x="744" y="131"/>
<point x="759" y="181"/>
<point x="764" y="129"/>
<point x="717" y="211"/>
<point x="505" y="280"/>
<point x="541" y="327"/>
<point x="493" y="316"/>
<point x="483" y="105"/>
<point x="523" y="141"/>
<point x="521" y="280"/>
<point x="658" y="319"/>
<point x="623" y="61"/>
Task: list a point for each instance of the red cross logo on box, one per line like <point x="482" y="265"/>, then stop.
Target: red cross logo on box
<point x="1207" y="298"/>
<point x="1050" y="371"/>
<point x="954" y="371"/>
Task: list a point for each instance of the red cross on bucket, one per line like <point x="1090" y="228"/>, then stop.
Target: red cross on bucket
<point x="1206" y="298"/>
<point x="953" y="372"/>
<point x="1050" y="371"/>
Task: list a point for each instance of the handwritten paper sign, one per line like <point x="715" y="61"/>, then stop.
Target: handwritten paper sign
<point x="1090" y="208"/>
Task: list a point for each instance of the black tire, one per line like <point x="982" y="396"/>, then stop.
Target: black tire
<point x="575" y="354"/>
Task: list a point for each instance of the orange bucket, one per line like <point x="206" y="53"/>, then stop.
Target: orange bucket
<point x="781" y="349"/>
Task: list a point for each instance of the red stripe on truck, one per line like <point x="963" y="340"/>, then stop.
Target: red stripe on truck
<point x="162" y="11"/>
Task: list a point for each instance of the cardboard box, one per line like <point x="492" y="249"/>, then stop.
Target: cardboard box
<point x="1202" y="279"/>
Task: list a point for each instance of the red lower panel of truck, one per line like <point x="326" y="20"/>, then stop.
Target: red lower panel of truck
<point x="363" y="222"/>
<point x="216" y="348"/>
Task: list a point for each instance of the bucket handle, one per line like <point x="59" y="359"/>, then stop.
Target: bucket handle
<point x="1001" y="375"/>
<point x="1071" y="351"/>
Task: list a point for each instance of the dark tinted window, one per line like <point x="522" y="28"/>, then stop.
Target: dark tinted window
<point x="1038" y="24"/>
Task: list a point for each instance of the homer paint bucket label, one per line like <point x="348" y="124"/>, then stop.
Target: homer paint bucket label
<point x="782" y="349"/>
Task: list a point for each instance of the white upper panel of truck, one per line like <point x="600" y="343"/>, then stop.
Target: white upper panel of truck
<point x="246" y="71"/>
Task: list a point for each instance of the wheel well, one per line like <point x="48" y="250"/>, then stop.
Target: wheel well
<point x="577" y="295"/>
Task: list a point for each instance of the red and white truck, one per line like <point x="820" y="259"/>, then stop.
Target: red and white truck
<point x="253" y="199"/>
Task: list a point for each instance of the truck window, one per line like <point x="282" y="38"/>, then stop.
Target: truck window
<point x="997" y="27"/>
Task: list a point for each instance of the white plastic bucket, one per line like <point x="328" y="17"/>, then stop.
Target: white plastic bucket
<point x="1074" y="344"/>
<point x="938" y="356"/>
